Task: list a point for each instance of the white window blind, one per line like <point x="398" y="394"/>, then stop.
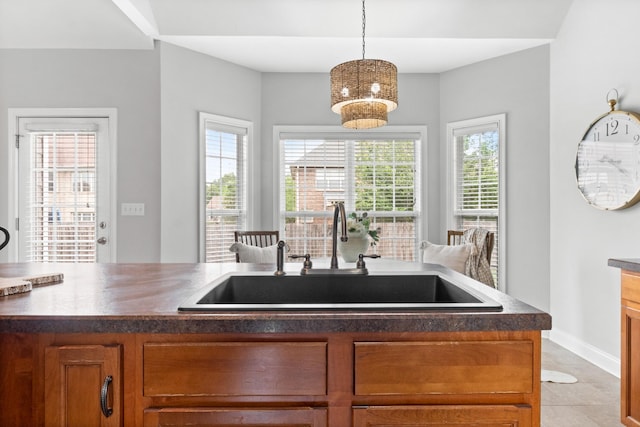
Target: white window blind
<point x="377" y="174"/>
<point x="476" y="170"/>
<point x="225" y="187"/>
<point x="62" y="197"/>
<point x="476" y="165"/>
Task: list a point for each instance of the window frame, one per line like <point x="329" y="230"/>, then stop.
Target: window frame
<point x="498" y="121"/>
<point x="108" y="163"/>
<point x="338" y="132"/>
<point x="223" y="121"/>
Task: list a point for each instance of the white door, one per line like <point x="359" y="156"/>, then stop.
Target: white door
<point x="63" y="190"/>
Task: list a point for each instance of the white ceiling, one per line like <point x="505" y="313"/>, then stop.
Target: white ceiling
<point x="419" y="36"/>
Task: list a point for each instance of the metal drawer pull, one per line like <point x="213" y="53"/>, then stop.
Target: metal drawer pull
<point x="104" y="395"/>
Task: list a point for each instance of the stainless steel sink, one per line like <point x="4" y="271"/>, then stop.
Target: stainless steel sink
<point x="337" y="292"/>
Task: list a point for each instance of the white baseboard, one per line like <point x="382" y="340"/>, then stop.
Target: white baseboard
<point x="602" y="360"/>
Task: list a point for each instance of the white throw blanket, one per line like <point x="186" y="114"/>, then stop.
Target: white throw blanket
<point x="477" y="266"/>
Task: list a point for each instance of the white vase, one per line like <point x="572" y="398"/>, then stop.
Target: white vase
<point x="353" y="247"/>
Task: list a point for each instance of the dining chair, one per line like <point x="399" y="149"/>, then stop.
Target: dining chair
<point x="260" y="239"/>
<point x="456" y="237"/>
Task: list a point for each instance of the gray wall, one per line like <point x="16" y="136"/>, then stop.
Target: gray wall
<point x="193" y="82"/>
<point x="125" y="79"/>
<point x="518" y="85"/>
<point x="590" y="56"/>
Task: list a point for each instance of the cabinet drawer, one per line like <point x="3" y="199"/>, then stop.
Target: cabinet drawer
<point x="630" y="289"/>
<point x="437" y="416"/>
<point x="284" y="417"/>
<point x="445" y="367"/>
<point x="235" y="369"/>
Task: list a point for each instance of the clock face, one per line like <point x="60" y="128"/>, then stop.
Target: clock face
<point x="608" y="161"/>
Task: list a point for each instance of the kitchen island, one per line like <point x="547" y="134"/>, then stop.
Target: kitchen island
<point x="109" y="345"/>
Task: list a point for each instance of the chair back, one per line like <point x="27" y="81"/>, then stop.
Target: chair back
<point x="456" y="237"/>
<point x="261" y="239"/>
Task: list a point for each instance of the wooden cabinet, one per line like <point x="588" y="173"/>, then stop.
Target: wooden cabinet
<point x="211" y="372"/>
<point x="438" y="416"/>
<point x="335" y="379"/>
<point x="445" y="371"/>
<point x="82" y="386"/>
<point x="19" y="405"/>
<point x="630" y="350"/>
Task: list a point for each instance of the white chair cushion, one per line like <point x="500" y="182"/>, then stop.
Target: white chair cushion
<point x="455" y="257"/>
<point x="255" y="254"/>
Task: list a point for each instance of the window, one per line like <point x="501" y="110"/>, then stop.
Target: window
<point x="377" y="173"/>
<point x="223" y="192"/>
<point x="476" y="196"/>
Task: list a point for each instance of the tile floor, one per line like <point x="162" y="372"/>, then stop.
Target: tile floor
<point x="593" y="401"/>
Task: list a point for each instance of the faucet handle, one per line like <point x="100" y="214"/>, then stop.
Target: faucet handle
<point x="307" y="264"/>
<point x="360" y="263"/>
<point x="280" y="258"/>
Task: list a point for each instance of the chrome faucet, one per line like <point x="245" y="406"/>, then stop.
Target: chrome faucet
<point x="339" y="208"/>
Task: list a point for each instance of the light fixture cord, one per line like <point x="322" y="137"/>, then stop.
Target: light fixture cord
<point x="364" y="24"/>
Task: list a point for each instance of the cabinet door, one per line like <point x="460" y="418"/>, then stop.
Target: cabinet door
<point x="443" y="416"/>
<point x="283" y="417"/>
<point x="83" y="386"/>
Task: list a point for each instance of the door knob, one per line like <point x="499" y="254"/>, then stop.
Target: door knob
<point x="102" y="240"/>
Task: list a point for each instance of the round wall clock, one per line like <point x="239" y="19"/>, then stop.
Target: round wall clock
<point x="608" y="160"/>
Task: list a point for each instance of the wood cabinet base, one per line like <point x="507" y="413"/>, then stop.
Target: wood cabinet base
<point x="333" y="379"/>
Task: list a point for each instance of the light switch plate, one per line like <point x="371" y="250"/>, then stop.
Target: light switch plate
<point x="132" y="209"/>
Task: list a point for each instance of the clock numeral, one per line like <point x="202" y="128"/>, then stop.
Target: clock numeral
<point x="612" y="127"/>
<point x="636" y="139"/>
<point x="596" y="136"/>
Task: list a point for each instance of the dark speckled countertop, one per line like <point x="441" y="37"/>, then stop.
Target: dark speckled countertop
<point x="629" y="264"/>
<point x="143" y="298"/>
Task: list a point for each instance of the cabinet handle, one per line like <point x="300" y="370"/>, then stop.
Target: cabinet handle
<point x="104" y="395"/>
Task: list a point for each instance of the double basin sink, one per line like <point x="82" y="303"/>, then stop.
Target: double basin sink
<point x="416" y="291"/>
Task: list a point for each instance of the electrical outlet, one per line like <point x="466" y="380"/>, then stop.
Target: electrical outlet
<point x="132" y="209"/>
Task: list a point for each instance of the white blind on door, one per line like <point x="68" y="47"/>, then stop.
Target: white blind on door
<point x="62" y="197"/>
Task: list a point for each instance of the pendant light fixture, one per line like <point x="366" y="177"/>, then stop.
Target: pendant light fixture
<point x="363" y="91"/>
